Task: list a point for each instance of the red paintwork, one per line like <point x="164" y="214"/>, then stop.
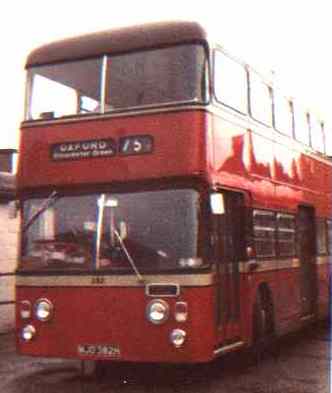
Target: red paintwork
<point x="179" y="150"/>
<point x="117" y="316"/>
<point x="186" y="143"/>
<point x="274" y="172"/>
<point x="271" y="168"/>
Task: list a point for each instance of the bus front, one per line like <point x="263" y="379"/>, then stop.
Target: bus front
<point x="112" y="186"/>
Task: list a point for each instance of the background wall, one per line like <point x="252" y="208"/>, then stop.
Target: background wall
<point x="8" y="246"/>
<point x="8" y="253"/>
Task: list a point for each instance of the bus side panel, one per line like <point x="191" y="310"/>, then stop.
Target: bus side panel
<point x="287" y="299"/>
<point x="117" y="316"/>
<point x="284" y="285"/>
<point x="276" y="172"/>
<point x="283" y="288"/>
<point x="243" y="159"/>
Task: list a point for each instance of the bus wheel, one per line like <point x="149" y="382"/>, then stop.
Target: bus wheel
<point x="263" y="326"/>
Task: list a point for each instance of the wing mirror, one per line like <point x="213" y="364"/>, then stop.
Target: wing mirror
<point x="217" y="203"/>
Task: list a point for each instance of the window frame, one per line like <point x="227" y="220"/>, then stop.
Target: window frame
<point x="322" y="221"/>
<point x="264" y="212"/>
<point x="298" y="137"/>
<point x="103" y="88"/>
<point x="32" y="72"/>
<point x="286" y="230"/>
<point x="328" y="140"/>
<point x="257" y="79"/>
<point x="276" y="237"/>
<point x="277" y="127"/>
<point x="218" y="99"/>
<point x="313" y="124"/>
<point x="329" y="239"/>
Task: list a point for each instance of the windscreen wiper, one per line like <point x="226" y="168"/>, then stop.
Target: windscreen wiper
<point x="102" y="203"/>
<point x="49" y="201"/>
<point x="130" y="259"/>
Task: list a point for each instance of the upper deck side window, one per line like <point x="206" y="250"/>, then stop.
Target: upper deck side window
<point x="317" y="135"/>
<point x="301" y="124"/>
<point x="328" y="141"/>
<point x="283" y="114"/>
<point x="230" y="82"/>
<point x="260" y="99"/>
<point x="140" y="79"/>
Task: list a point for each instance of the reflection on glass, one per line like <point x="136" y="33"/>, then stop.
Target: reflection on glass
<point x="140" y="79"/>
<point x="286" y="234"/>
<point x="260" y="100"/>
<point x="317" y="134"/>
<point x="65" y="89"/>
<point x="230" y="82"/>
<point x="283" y="111"/>
<point x="264" y="233"/>
<point x="328" y="140"/>
<point x="158" y="228"/>
<point x="159" y="76"/>
<point x="301" y="121"/>
<point x="65" y="105"/>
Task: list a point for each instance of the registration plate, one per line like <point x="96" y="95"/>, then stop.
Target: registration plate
<point x="101" y="350"/>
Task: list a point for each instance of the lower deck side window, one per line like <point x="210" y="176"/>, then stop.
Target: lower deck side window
<point x="274" y="234"/>
<point x="321" y="237"/>
<point x="329" y="233"/>
<point x="264" y="223"/>
<point x="286" y="234"/>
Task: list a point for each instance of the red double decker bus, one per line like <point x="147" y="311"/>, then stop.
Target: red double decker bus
<point x="175" y="206"/>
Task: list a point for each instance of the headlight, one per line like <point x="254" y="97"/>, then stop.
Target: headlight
<point x="157" y="311"/>
<point x="178" y="337"/>
<point x="43" y="310"/>
<point x="28" y="333"/>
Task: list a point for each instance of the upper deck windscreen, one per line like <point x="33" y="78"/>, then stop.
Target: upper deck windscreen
<point x="140" y="79"/>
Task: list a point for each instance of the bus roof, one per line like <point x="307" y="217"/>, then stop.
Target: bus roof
<point x="118" y="41"/>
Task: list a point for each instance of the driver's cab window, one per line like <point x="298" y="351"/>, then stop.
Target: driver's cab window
<point x="228" y="226"/>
